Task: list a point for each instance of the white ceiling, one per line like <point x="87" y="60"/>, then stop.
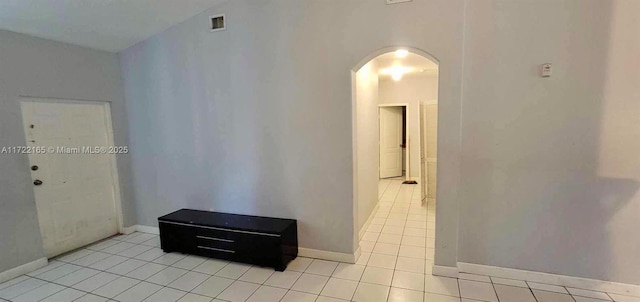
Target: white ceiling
<point x="111" y="25"/>
<point x="417" y="63"/>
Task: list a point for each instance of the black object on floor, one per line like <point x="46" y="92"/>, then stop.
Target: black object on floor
<point x="409" y="182"/>
<point x="256" y="240"/>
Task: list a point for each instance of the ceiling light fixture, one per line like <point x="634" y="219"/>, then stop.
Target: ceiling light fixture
<point x="401" y="53"/>
<point x="396" y="72"/>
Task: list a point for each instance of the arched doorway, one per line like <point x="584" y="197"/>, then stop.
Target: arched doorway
<point x="394" y="112"/>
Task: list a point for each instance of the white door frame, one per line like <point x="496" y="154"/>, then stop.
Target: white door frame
<point x="406" y="126"/>
<point x="110" y="140"/>
<point x="423" y="147"/>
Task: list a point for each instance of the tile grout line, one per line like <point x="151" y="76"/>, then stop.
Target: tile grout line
<point x="119" y="275"/>
<point x="325" y="285"/>
<point x="65" y="287"/>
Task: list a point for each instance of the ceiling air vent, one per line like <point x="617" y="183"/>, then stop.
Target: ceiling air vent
<point x="217" y="23"/>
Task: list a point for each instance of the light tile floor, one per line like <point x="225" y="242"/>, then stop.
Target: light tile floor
<point x="395" y="266"/>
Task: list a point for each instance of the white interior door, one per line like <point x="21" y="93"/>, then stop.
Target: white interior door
<point x="390" y="142"/>
<point x="76" y="199"/>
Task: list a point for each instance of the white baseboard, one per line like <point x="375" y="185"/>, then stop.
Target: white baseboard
<point x="368" y="222"/>
<point x="140" y="228"/>
<point x="445" y="271"/>
<point x="328" y="255"/>
<point x="128" y="230"/>
<point x="356" y="255"/>
<point x="561" y="280"/>
<point x="147" y="229"/>
<point x="23" y="269"/>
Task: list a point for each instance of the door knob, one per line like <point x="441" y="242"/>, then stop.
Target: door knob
<point x="34" y="167"/>
<point x="37" y="182"/>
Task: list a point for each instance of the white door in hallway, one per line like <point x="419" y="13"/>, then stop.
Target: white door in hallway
<point x="390" y="142"/>
<point x="74" y="193"/>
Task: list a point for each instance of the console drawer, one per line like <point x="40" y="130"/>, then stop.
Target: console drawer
<point x="220" y="234"/>
<point x="216" y="242"/>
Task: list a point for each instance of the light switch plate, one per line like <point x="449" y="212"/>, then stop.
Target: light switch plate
<point x="546" y="70"/>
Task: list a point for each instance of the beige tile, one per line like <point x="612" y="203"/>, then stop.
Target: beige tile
<point x="376" y="275"/>
<point x="477" y="290"/>
<point x="189" y="281"/>
<point x="545" y="296"/>
<point x="213" y="286"/>
<point x="414" y="265"/>
<point x="167" y="294"/>
<point x="430" y="297"/>
<point x="299" y="264"/>
<point x="408" y="280"/>
<point x="510" y="282"/>
<point x="238" y="291"/>
<point x="195" y="298"/>
<point x="441" y="285"/>
<point x="310" y="283"/>
<point x="349" y="271"/>
<point x="386" y="249"/>
<point x="366" y="292"/>
<point x="233" y="270"/>
<point x="322" y="267"/>
<point x="284" y="279"/>
<point x="267" y="294"/>
<point x="405" y="295"/>
<point x="293" y="296"/>
<point x="588" y="293"/>
<point x="624" y="298"/>
<point x="547" y="287"/>
<point x="508" y="293"/>
<point x="474" y="277"/>
<point x="340" y="288"/>
<point x="383" y="261"/>
<point x="257" y="275"/>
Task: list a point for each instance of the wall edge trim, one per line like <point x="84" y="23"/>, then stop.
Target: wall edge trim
<point x="368" y="222"/>
<point x="23" y="269"/>
<point x="128" y="230"/>
<point x="328" y="255"/>
<point x="147" y="229"/>
<point x="445" y="271"/>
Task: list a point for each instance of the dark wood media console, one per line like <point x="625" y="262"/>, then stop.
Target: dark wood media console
<point x="256" y="240"/>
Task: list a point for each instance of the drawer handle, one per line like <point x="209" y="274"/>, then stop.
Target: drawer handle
<point x="213" y="238"/>
<point x="215" y="249"/>
<point x="221" y="229"/>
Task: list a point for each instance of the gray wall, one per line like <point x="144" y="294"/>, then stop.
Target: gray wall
<point x="550" y="167"/>
<point x="41" y="68"/>
<point x="367" y="136"/>
<point x="257" y="119"/>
